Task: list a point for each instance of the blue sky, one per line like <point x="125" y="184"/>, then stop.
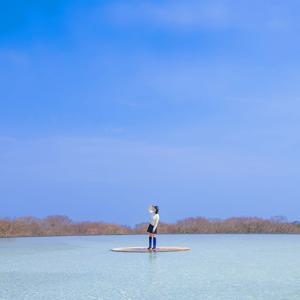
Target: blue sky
<point x="108" y="106"/>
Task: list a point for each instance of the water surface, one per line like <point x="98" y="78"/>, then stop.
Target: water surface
<point x="218" y="267"/>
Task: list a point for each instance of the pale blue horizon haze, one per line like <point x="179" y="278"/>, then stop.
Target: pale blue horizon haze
<point x="108" y="106"/>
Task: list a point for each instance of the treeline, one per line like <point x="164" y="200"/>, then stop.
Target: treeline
<point x="62" y="225"/>
<point x="56" y="225"/>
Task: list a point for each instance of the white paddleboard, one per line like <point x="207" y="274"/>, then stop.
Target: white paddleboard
<point x="145" y="250"/>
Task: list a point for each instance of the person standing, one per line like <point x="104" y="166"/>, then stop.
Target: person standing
<point x="152" y="228"/>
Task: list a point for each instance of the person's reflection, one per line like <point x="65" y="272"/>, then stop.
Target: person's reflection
<point x="152" y="273"/>
<point x="152" y="257"/>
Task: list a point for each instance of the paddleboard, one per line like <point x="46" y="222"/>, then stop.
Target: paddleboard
<point x="145" y="250"/>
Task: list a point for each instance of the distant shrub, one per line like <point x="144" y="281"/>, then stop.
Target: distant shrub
<point x="62" y="225"/>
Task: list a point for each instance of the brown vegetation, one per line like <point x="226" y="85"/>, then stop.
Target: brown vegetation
<point x="62" y="225"/>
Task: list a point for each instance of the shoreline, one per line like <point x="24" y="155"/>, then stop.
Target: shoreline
<point x="133" y="234"/>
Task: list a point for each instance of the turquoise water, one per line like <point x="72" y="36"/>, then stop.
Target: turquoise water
<point x="218" y="267"/>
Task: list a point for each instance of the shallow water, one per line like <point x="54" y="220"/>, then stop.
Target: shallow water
<point x="218" y="267"/>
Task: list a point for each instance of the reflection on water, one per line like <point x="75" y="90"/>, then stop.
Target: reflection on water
<point x="152" y="257"/>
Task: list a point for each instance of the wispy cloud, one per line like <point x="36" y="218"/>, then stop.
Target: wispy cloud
<point x="13" y="56"/>
<point x="216" y="14"/>
<point x="170" y="14"/>
<point x="111" y="160"/>
<point x="7" y="139"/>
<point x="66" y="174"/>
